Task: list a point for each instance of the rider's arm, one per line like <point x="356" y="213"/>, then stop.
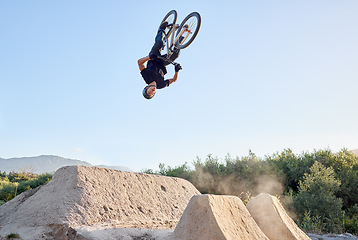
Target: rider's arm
<point x="142" y="61"/>
<point x="174" y="79"/>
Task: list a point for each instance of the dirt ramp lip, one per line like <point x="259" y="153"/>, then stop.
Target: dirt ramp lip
<point x="273" y="220"/>
<point x="213" y="217"/>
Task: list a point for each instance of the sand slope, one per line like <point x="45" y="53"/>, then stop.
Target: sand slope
<point x="213" y="217"/>
<point x="82" y="203"/>
<point x="273" y="219"/>
<point x="79" y="195"/>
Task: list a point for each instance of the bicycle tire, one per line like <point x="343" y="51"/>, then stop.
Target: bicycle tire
<point x="194" y="21"/>
<point x="171" y="17"/>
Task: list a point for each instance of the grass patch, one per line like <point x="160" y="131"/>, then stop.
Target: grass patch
<point x="13" y="236"/>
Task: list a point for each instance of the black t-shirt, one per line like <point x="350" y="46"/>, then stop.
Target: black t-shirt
<point x="155" y="71"/>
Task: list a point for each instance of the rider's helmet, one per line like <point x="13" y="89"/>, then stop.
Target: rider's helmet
<point x="145" y="94"/>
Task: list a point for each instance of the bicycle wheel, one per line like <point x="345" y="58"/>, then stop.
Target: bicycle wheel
<point x="171" y="18"/>
<point x="193" y="21"/>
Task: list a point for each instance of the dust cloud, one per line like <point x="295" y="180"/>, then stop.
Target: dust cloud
<point x="234" y="185"/>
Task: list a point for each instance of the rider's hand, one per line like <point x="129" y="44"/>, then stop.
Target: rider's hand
<point x="152" y="56"/>
<point x="177" y="67"/>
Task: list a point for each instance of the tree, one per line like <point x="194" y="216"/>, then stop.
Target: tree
<point x="316" y="197"/>
<point x="291" y="167"/>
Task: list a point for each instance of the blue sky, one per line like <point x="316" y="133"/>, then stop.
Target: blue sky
<point x="261" y="75"/>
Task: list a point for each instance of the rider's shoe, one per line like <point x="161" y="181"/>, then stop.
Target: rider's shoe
<point x="164" y="25"/>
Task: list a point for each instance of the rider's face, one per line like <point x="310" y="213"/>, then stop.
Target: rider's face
<point x="151" y="90"/>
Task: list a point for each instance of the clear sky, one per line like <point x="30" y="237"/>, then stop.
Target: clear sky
<point x="261" y="75"/>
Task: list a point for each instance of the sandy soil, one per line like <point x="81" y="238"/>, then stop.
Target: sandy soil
<point x="219" y="218"/>
<point x="91" y="203"/>
<point x="268" y="212"/>
<point x="87" y="196"/>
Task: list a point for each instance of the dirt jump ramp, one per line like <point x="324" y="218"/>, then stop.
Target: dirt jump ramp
<point x="79" y="195"/>
<point x="273" y="220"/>
<point x="213" y="217"/>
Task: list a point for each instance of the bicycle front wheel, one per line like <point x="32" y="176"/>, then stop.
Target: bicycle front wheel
<point x="191" y="25"/>
<point x="171" y="18"/>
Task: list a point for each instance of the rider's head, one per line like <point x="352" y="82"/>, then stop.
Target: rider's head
<point x="149" y="91"/>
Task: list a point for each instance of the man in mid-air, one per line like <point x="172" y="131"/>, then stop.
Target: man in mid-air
<point x="153" y="73"/>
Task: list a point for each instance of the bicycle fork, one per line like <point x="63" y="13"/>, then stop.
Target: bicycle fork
<point x="181" y="34"/>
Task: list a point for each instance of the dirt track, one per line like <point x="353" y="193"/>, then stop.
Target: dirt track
<point x="97" y="203"/>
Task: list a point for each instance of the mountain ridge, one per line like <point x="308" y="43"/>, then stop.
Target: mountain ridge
<point x="46" y="164"/>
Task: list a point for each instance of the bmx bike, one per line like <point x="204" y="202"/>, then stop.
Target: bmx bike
<point x="186" y="32"/>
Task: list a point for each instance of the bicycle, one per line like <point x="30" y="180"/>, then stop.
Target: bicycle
<point x="188" y="29"/>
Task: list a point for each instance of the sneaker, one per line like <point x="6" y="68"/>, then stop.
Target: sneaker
<point x="164" y="25"/>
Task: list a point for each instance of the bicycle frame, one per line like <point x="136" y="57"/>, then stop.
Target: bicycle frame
<point x="170" y="40"/>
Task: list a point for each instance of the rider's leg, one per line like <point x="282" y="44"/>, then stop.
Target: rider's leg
<point x="158" y="43"/>
<point x="172" y="58"/>
<point x="175" y="54"/>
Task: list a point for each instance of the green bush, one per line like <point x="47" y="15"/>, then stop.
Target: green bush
<point x="34" y="183"/>
<point x="311" y="224"/>
<point x="351" y="224"/>
<point x="316" y="195"/>
<point x="8" y="191"/>
<point x="3" y="183"/>
<point x="13" y="236"/>
<point x="182" y="171"/>
<point x="20" y="183"/>
<point x="351" y="220"/>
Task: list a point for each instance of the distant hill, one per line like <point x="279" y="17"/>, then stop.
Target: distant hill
<point x="45" y="164"/>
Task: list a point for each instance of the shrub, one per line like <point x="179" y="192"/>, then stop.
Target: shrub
<point x="316" y="195"/>
<point x="311" y="224"/>
<point x="13" y="236"/>
<point x="8" y="191"/>
<point x="351" y="224"/>
<point x="351" y="220"/>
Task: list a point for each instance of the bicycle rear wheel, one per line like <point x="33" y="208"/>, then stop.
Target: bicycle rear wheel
<point x="192" y="22"/>
<point x="171" y="18"/>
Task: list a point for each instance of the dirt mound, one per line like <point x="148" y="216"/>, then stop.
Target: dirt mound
<point x="273" y="219"/>
<point x="211" y="217"/>
<point x="79" y="195"/>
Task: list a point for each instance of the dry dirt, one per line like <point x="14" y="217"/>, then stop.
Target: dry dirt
<point x="91" y="203"/>
<point x="219" y="218"/>
<point x="267" y="212"/>
<point x="86" y="196"/>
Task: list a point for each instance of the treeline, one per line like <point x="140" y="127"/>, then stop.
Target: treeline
<point x="319" y="189"/>
<point x="13" y="184"/>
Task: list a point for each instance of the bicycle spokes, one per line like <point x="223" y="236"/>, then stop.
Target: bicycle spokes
<point x="180" y="36"/>
<point x="188" y="29"/>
